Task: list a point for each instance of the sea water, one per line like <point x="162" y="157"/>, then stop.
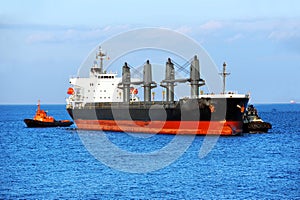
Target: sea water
<point x="54" y="163"/>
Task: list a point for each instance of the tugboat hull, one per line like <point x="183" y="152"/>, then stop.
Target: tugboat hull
<point x="256" y="127"/>
<point x="35" y="123"/>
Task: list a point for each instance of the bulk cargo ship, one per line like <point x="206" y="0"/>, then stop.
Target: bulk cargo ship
<point x="104" y="101"/>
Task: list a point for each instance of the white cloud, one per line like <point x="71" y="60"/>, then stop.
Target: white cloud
<point x="235" y="37"/>
<point x="212" y="25"/>
<point x="184" y="29"/>
<point x="40" y="37"/>
<point x="284" y="35"/>
<point x="73" y="34"/>
<point x="228" y="31"/>
<point x="107" y="28"/>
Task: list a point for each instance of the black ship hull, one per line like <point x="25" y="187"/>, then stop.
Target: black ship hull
<point x="187" y="116"/>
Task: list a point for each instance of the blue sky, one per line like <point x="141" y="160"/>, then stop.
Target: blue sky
<point x="43" y="43"/>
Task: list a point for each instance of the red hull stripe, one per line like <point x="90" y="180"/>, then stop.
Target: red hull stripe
<point x="164" y="127"/>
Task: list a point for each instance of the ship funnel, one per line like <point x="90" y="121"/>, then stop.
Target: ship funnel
<point x="148" y="82"/>
<point x="126" y="82"/>
<point x="195" y="79"/>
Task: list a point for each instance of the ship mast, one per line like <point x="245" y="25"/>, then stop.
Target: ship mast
<point x="39" y="106"/>
<point x="101" y="56"/>
<point x="224" y="74"/>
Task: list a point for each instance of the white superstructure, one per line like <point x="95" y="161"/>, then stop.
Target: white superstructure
<point x="100" y="86"/>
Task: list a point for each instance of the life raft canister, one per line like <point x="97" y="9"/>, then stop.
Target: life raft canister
<point x="133" y="90"/>
<point x="70" y="91"/>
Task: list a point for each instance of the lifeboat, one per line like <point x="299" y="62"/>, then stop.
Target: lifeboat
<point x="41" y="119"/>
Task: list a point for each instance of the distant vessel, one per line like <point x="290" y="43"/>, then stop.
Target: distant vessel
<point x="104" y="101"/>
<point x="41" y="119"/>
<point x="253" y="123"/>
